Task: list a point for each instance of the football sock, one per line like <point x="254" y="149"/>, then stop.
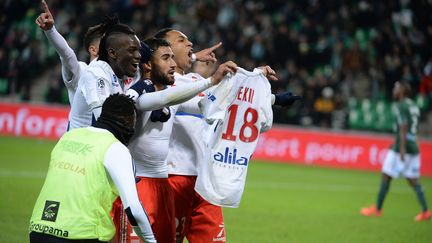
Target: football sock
<point x="382" y="193"/>
<point x="420" y="196"/>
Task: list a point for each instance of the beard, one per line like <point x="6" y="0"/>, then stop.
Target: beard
<point x="160" y="77"/>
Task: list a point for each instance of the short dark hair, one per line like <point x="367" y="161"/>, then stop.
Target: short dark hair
<point x="155" y="43"/>
<point x="146" y="52"/>
<point x="93" y="33"/>
<point x="110" y="27"/>
<point x="161" y="34"/>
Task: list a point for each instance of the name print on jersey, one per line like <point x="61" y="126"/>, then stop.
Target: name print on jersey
<point x="245" y="94"/>
<point x="229" y="157"/>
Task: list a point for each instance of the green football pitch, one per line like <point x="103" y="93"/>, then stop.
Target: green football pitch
<point x="281" y="202"/>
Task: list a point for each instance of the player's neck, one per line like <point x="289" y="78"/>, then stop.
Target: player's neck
<point x="179" y="70"/>
<point x="159" y="86"/>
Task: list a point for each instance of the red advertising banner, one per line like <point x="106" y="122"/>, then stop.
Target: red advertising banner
<point x="334" y="149"/>
<point x="33" y="120"/>
<point x="350" y="150"/>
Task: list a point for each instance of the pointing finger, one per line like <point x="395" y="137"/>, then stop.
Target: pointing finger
<point x="215" y="46"/>
<point x="45" y="7"/>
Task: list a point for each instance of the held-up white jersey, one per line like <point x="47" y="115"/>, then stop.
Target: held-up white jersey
<point x="186" y="145"/>
<point x="232" y="138"/>
<point x="97" y="82"/>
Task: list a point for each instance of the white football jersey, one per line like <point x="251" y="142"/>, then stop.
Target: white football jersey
<point x="241" y="109"/>
<point x="149" y="145"/>
<point x="186" y="146"/>
<point x="72" y="84"/>
<point x="96" y="83"/>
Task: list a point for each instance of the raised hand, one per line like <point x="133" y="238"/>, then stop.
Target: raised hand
<point x="222" y="70"/>
<point x="268" y="72"/>
<point x="207" y="55"/>
<point x="45" y="20"/>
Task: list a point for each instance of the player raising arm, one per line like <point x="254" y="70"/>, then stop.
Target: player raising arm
<point x="118" y="59"/>
<point x="150" y="145"/>
<point x="197" y="219"/>
<point x="71" y="67"/>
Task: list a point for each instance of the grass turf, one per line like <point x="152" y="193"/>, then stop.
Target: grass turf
<point x="281" y="202"/>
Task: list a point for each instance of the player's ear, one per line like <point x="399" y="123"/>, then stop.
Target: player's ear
<point x="147" y="66"/>
<point x="112" y="53"/>
<point x="93" y="50"/>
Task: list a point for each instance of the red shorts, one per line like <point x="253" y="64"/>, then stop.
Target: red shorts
<point x="156" y="196"/>
<point x="196" y="219"/>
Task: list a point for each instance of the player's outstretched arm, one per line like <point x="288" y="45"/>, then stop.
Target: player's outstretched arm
<point x="70" y="65"/>
<point x="207" y="55"/>
<point x="171" y="96"/>
<point x="180" y="93"/>
<point x="118" y="163"/>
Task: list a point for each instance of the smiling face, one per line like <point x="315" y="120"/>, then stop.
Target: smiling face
<point x="182" y="49"/>
<point x="163" y="66"/>
<point x="125" y="55"/>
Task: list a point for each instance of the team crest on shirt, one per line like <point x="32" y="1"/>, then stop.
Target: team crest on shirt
<point x="50" y="211"/>
<point x="148" y="82"/>
<point x="211" y="96"/>
<point x="101" y="83"/>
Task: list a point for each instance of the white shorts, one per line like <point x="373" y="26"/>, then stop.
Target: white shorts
<point x="394" y="167"/>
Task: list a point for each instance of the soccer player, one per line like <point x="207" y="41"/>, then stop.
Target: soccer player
<point x="71" y="67"/>
<point x="119" y="58"/>
<point x="196" y="219"/>
<point x="403" y="158"/>
<point x="89" y="167"/>
<point x="150" y="145"/>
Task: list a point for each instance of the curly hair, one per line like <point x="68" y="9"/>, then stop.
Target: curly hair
<point x="118" y="106"/>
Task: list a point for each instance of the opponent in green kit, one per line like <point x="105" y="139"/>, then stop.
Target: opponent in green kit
<point x="403" y="158"/>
